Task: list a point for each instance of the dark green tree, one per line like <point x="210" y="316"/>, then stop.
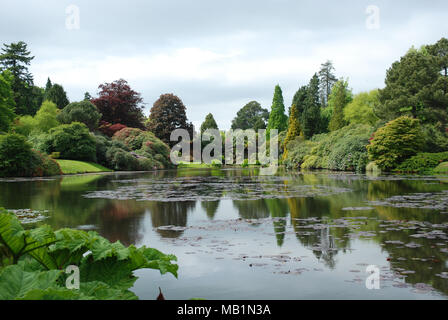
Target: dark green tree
<point x="57" y="95"/>
<point x="311" y="117"/>
<point x="48" y="85"/>
<point x="209" y="123"/>
<point x="277" y="118"/>
<point x="16" y="58"/>
<point x="87" y="96"/>
<point x="7" y="103"/>
<point x="440" y="52"/>
<point x="83" y="111"/>
<point x="340" y="96"/>
<point x="327" y="80"/>
<point x="251" y="116"/>
<point x="299" y="99"/>
<point x="168" y="114"/>
<point x="416" y="86"/>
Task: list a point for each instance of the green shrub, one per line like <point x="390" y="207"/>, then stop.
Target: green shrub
<point x="17" y="159"/>
<point x="423" y="162"/>
<point x="122" y="160"/>
<point x="73" y="141"/>
<point x="436" y="138"/>
<point x="342" y="150"/>
<point x="397" y="141"/>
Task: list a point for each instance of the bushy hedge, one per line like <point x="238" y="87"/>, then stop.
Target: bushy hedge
<point x="73" y="141"/>
<point x="423" y="162"/>
<point x="18" y="159"/>
<point x="145" y="144"/>
<point x="397" y="141"/>
<point x="341" y="150"/>
<point x="84" y="112"/>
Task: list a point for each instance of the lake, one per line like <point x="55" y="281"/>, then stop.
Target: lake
<point x="239" y="235"/>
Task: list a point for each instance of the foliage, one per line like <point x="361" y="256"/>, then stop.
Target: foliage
<point x="118" y="103"/>
<point x="83" y="111"/>
<point x="415" y="86"/>
<point x="15" y="156"/>
<point x="209" y="123"/>
<point x="34" y="262"/>
<point x="17" y="159"/>
<point x="74" y="167"/>
<point x="16" y="58"/>
<point x="423" y="162"/>
<point x="251" y="116"/>
<point x="340" y="96"/>
<point x="294" y="129"/>
<point x="311" y="114"/>
<point x="436" y="138"/>
<point x="110" y="129"/>
<point x="7" y="103"/>
<point x="46" y="117"/>
<point x="361" y="109"/>
<point x="57" y="95"/>
<point x="168" y="114"/>
<point x="277" y="118"/>
<point x="441" y="168"/>
<point x="342" y="150"/>
<point x="395" y="142"/>
<point x="145" y="144"/>
<point x="73" y="141"/>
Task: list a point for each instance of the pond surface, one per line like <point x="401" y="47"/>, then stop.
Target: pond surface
<point x="239" y="235"/>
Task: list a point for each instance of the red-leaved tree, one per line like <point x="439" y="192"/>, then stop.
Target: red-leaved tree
<point x="118" y="103"/>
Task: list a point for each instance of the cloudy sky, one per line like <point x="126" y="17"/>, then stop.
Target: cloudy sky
<point x="217" y="55"/>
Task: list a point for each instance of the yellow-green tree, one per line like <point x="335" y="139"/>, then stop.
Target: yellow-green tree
<point x="294" y="129"/>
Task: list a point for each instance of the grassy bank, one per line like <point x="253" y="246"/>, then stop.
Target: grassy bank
<point x="74" y="167"/>
<point x="442" y="168"/>
<point x="197" y="165"/>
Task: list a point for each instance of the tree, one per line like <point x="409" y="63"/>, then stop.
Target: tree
<point x="327" y="80"/>
<point x="340" y="96"/>
<point x="46" y="117"/>
<point x="87" y="96"/>
<point x="209" y="123"/>
<point x="251" y="116"/>
<point x="397" y="141"/>
<point x="294" y="129"/>
<point x="48" y="85"/>
<point x="277" y="118"/>
<point x="168" y="114"/>
<point x="118" y="103"/>
<point x="440" y="51"/>
<point x="299" y="99"/>
<point x="416" y="87"/>
<point x="16" y="58"/>
<point x="311" y="117"/>
<point x="7" y="103"/>
<point x="361" y="109"/>
<point x="57" y="95"/>
<point x="83" y="111"/>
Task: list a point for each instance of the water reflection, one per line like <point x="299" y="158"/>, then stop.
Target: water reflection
<point x="296" y="206"/>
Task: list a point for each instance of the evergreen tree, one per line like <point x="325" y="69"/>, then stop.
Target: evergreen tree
<point x="209" y="123"/>
<point x="299" y="99"/>
<point x="339" y="98"/>
<point x="48" y="85"/>
<point x="7" y="104"/>
<point x="16" y="58"/>
<point x="311" y="118"/>
<point x="57" y="95"/>
<point x="327" y="80"/>
<point x="277" y="119"/>
<point x="294" y="129"/>
<point x="87" y="96"/>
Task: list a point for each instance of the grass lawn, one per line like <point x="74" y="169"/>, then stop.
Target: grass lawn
<point x="196" y="165"/>
<point x="73" y="167"/>
<point x="442" y="168"/>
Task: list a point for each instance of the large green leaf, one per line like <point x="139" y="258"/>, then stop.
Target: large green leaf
<point x="15" y="282"/>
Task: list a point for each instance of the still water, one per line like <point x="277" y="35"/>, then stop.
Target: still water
<point x="239" y="235"/>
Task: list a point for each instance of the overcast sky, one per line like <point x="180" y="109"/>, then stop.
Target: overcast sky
<point x="217" y="55"/>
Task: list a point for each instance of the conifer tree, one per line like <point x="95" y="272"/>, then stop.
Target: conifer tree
<point x="339" y="98"/>
<point x="277" y="119"/>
